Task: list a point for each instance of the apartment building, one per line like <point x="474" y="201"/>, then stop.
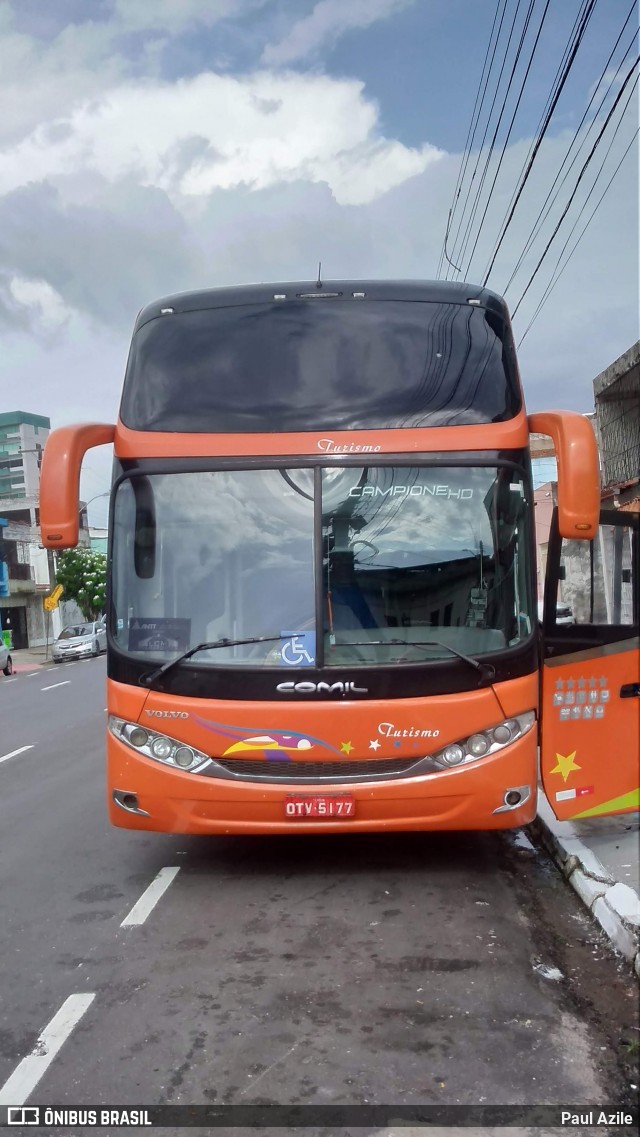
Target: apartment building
<point x="617" y="398"/>
<point x="26" y="572"/>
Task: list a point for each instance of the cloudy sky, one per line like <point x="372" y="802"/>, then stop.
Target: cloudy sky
<point x="154" y="146"/>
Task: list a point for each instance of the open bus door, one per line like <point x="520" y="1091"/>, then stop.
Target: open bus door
<point x="590" y="700"/>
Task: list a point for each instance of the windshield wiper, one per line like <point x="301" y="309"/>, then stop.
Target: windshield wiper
<point x="149" y="680"/>
<point x="487" y="670"/>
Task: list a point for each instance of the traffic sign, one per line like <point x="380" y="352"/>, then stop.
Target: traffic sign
<point x="51" y="602"/>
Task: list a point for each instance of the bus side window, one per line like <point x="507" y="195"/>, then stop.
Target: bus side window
<point x="596" y="579"/>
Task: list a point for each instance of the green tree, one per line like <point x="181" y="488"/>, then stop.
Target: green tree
<point x="84" y="576"/>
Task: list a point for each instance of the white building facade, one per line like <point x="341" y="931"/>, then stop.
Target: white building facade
<point x="27" y="571"/>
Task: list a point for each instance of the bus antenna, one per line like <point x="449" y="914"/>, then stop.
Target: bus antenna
<point x="318" y="281"/>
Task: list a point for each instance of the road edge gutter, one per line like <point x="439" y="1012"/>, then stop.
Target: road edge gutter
<point x="614" y="905"/>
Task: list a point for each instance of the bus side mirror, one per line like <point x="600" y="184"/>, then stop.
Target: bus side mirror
<point x="60" y="480"/>
<point x="578" y="470"/>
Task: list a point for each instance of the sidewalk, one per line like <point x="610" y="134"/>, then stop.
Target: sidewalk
<point x="27" y="659"/>
<point x="600" y="857"/>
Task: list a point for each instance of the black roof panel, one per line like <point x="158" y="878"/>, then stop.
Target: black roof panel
<point x="434" y="291"/>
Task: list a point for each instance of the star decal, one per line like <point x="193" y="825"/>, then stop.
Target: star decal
<point x="566" y="765"/>
<point x="346" y="747"/>
<point x="374" y="744"/>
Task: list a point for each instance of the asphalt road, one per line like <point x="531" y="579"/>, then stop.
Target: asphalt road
<point x="400" y="969"/>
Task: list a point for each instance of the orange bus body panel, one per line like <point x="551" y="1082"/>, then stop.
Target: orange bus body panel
<point x="511" y="435"/>
<point x="462" y="798"/>
<point x="591" y="766"/>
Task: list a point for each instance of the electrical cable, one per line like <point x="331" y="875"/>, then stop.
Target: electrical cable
<point x="575" y="189"/>
<point x="476" y="203"/>
<point x="486" y="129"/>
<point x="466" y="153"/>
<point x="550" y="97"/>
<point x="569" y="64"/>
<point x="467" y="158"/>
<point x="557" y="272"/>
<point x="549" y="200"/>
<point x="508" y="135"/>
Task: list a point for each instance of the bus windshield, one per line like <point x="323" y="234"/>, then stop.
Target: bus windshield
<point x="321" y="365"/>
<point x="361" y="565"/>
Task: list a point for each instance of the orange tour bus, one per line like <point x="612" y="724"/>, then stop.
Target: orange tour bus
<point x="322" y="596"/>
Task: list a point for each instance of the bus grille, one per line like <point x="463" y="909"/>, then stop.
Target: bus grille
<point x="314" y="771"/>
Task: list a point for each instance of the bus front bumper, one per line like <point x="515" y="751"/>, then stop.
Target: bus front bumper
<point x="143" y="794"/>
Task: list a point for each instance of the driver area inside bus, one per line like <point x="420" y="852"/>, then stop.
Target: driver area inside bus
<point x="416" y="562"/>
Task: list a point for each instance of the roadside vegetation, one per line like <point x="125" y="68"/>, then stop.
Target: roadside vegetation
<point x="84" y="576"/>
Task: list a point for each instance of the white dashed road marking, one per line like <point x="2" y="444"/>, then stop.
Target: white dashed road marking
<point x="14" y="753"/>
<point x="150" y="897"/>
<point x="64" y="683"/>
<point x="28" y="1073"/>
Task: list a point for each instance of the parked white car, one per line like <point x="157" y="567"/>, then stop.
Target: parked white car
<point x="564" y="614"/>
<point x="77" y="641"/>
<point x="6" y="663"/>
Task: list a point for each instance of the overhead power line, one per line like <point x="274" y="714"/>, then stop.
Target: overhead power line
<point x="577" y="184"/>
<point x="472" y="127"/>
<point x="586" y="16"/>
<point x="484" y="136"/>
<point x="513" y="118"/>
<point x="568" y="48"/>
<point x="577" y="25"/>
<point x="557" y="273"/>
<point x="552" y="197"/>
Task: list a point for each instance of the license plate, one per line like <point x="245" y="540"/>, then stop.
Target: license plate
<point x="328" y="807"/>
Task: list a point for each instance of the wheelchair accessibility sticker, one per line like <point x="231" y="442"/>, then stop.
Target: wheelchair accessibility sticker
<point x="298" y="649"/>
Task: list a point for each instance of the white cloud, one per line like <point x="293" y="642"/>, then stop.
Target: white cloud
<point x="218" y="132"/>
<point x="327" y="22"/>
<point x="104" y="258"/>
<point x="117" y="191"/>
<point x="611" y="79"/>
<point x="42" y="300"/>
<point x="88" y="58"/>
<point x="130" y="246"/>
<point x="172" y="15"/>
<point x="75" y="68"/>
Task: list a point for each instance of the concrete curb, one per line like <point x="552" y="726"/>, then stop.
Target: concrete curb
<point x="615" y="906"/>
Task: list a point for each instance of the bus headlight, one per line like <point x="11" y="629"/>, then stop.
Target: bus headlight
<point x="452" y="755"/>
<point x="484" y="742"/>
<point x="160" y="747"/>
<point x="478" y="745"/>
<point x="138" y="736"/>
<point x="183" y="757"/>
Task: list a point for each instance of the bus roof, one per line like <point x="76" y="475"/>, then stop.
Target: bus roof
<point x="434" y="291"/>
